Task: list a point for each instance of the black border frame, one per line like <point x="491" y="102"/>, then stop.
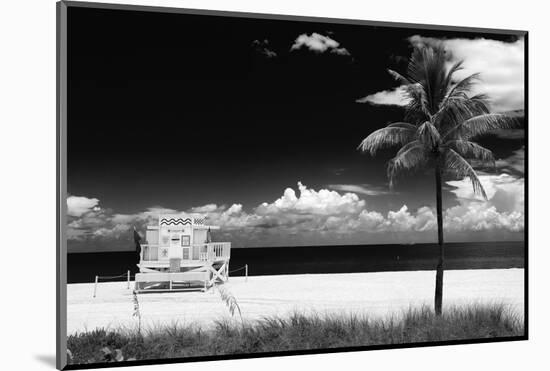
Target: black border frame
<point x="61" y="186"/>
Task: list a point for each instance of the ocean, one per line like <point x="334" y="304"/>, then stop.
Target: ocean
<point x="83" y="267"/>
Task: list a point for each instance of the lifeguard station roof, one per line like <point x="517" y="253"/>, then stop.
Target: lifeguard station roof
<point x="197" y="222"/>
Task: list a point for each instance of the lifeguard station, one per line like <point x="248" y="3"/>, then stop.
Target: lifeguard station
<point x="179" y="255"/>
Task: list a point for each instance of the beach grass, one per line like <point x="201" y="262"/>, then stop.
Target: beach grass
<point x="295" y="332"/>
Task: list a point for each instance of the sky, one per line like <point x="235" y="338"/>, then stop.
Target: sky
<point x="255" y="123"/>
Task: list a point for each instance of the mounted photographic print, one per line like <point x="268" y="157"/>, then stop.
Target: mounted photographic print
<point x="343" y="185"/>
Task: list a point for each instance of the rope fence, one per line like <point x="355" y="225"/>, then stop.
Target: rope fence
<point x="238" y="269"/>
<point x="245" y="267"/>
<point x="113" y="277"/>
<point x="127" y="277"/>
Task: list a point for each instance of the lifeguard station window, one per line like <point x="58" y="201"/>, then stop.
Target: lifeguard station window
<point x="185" y="240"/>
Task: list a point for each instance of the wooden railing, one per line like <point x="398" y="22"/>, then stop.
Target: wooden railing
<point x="204" y="251"/>
<point x="213" y="250"/>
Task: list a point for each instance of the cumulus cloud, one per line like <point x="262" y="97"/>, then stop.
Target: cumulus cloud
<point x="330" y="211"/>
<point x="504" y="209"/>
<point x="504" y="191"/>
<point x="479" y="217"/>
<point x="318" y="43"/>
<point x="322" y="202"/>
<point x="78" y="205"/>
<point x="321" y="214"/>
<point x="403" y="220"/>
<point x="500" y="64"/>
<point x="365" y="189"/>
<point x="370" y="220"/>
<point x="209" y="208"/>
<point x="262" y="47"/>
<point x="394" y="97"/>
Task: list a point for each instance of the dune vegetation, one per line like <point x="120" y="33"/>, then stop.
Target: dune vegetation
<point x="293" y="333"/>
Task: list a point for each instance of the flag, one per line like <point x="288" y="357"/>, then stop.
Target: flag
<point x="137" y="239"/>
<point x="208" y="236"/>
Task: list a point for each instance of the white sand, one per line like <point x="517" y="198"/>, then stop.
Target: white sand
<point x="376" y="294"/>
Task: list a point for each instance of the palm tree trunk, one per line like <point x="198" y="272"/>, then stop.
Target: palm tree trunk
<point x="439" y="274"/>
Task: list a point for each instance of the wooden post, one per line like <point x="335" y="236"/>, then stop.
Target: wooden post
<point x="128" y="280"/>
<point x="438" y="300"/>
<point x="95" y="285"/>
<point x="246" y="272"/>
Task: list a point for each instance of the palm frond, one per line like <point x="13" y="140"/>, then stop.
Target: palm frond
<point x="407" y="147"/>
<point x="443" y="117"/>
<point x="456" y="164"/>
<point x="418" y="107"/>
<point x="410" y="156"/>
<point x="464" y="86"/>
<point x="386" y="137"/>
<point x="454" y="68"/>
<point x="469" y="149"/>
<point x="481" y="124"/>
<point x="427" y="68"/>
<point x="458" y="109"/>
<point x="405" y="125"/>
<point x="398" y="77"/>
<point x="429" y="136"/>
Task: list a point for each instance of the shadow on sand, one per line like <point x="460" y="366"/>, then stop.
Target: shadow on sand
<point x="47" y="359"/>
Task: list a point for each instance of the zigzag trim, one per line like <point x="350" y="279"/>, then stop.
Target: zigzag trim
<point x="172" y="221"/>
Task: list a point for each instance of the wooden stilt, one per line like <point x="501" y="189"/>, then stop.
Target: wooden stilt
<point x="217" y="274"/>
<point x="95" y="285"/>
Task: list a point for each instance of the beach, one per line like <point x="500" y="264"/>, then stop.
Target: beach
<point x="379" y="294"/>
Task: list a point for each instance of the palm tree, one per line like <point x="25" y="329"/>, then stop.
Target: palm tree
<point x="441" y="121"/>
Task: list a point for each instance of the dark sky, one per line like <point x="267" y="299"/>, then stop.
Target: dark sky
<point x="181" y="110"/>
